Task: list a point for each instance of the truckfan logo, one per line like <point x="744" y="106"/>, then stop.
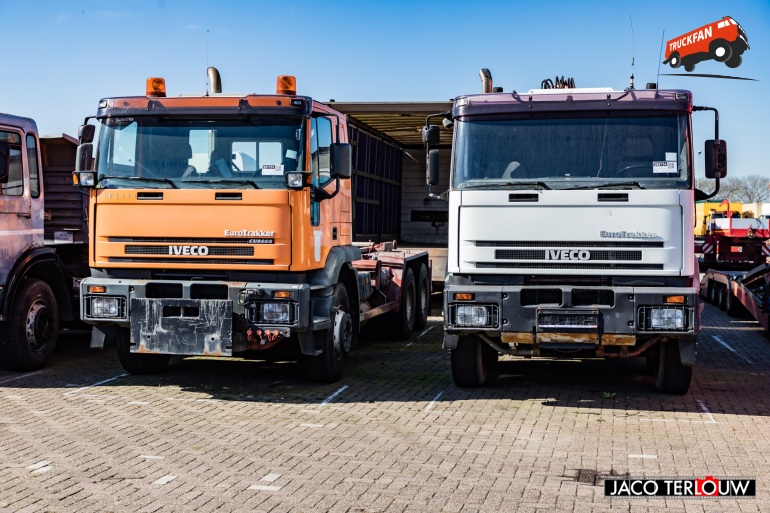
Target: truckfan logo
<point x="723" y="41"/>
<point x="188" y="250"/>
<point x="566" y="254"/>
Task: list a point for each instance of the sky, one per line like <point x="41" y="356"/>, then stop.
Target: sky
<point x="61" y="57"/>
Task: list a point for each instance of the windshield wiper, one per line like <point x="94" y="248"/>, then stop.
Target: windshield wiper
<point x="499" y="185"/>
<point x="619" y="185"/>
<point x="139" y="179"/>
<point x="223" y="180"/>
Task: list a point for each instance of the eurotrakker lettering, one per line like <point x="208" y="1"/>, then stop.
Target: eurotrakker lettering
<point x="249" y="233"/>
<point x="627" y="235"/>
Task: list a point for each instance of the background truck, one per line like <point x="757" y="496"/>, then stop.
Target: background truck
<point x="44" y="242"/>
<point x="222" y="224"/>
<point x="571" y="215"/>
<point x="730" y="241"/>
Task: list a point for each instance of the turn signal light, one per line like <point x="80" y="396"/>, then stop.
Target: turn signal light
<point x="97" y="289"/>
<point x="156" y="86"/>
<point x="282" y="294"/>
<point x="462" y="296"/>
<point x="675" y="299"/>
<point x="286" y="84"/>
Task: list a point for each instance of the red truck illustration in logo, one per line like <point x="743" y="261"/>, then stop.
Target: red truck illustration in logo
<point x="723" y="41"/>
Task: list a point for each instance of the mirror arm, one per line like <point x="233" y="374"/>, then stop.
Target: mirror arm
<point x="700" y="195"/>
<point x="319" y="194"/>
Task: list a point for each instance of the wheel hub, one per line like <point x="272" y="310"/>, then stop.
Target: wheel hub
<point x="343" y="332"/>
<point x="39" y="325"/>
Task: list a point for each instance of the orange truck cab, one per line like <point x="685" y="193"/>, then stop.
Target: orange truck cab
<point x="221" y="224"/>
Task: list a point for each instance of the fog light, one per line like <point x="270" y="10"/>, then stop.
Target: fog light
<point x="105" y="307"/>
<point x="472" y="315"/>
<point x="667" y="319"/>
<point x="275" y="312"/>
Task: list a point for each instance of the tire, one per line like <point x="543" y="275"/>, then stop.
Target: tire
<point x="672" y="377"/>
<point x="399" y="325"/>
<point x="474" y="363"/>
<point x="720" y="50"/>
<point x="675" y="61"/>
<point x="138" y="363"/>
<point x="713" y="293"/>
<point x="423" y="298"/>
<point x="690" y="66"/>
<point x="28" y="338"/>
<point x="734" y="62"/>
<point x="733" y="307"/>
<point x="329" y="366"/>
<point x="723" y="293"/>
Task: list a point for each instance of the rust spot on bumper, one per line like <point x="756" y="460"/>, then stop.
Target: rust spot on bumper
<point x="577" y="338"/>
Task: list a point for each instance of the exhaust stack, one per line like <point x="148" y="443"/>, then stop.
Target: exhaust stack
<point x="486" y="80"/>
<point x="214" y="79"/>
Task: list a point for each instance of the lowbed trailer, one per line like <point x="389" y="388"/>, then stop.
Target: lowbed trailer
<point x="734" y="291"/>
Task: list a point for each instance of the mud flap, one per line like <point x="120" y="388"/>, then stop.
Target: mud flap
<point x="687" y="350"/>
<point x="450" y="341"/>
<point x="182" y="326"/>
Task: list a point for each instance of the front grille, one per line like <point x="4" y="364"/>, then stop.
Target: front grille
<point x="593" y="297"/>
<point x="543" y="265"/>
<point x="531" y="297"/>
<point x="182" y="240"/>
<point x="208" y="291"/>
<point x="163" y="290"/>
<point x="197" y="261"/>
<point x="212" y="250"/>
<point x="543" y="254"/>
<point x="573" y="244"/>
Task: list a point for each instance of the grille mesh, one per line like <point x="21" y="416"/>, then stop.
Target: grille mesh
<point x="593" y="297"/>
<point x="213" y="250"/>
<point x="541" y="254"/>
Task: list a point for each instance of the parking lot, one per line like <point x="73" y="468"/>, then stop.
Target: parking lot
<point x="393" y="435"/>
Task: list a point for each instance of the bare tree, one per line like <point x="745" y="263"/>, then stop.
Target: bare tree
<point x="743" y="189"/>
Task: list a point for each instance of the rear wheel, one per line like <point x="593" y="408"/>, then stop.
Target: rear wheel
<point x="423" y="298"/>
<point x="28" y="338"/>
<point x="734" y="62"/>
<point x="328" y="366"/>
<point x="720" y="50"/>
<point x="138" y="363"/>
<point x="672" y="376"/>
<point x="733" y="307"/>
<point x="399" y="325"/>
<point x="723" y="293"/>
<point x="474" y="363"/>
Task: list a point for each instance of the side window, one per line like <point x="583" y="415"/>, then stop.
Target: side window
<point x="34" y="169"/>
<point x="15" y="184"/>
<point x="322" y="141"/>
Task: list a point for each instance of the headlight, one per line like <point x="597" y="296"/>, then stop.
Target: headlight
<point x="667" y="319"/>
<point x="473" y="315"/>
<point x="295" y="180"/>
<point x="105" y="307"/>
<point x="84" y="178"/>
<point x="275" y="312"/>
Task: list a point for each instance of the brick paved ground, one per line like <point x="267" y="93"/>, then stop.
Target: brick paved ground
<point x="393" y="435"/>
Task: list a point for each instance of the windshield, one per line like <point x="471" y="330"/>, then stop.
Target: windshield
<point x="569" y="153"/>
<point x="156" y="152"/>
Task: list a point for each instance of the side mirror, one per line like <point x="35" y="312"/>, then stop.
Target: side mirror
<point x="86" y="133"/>
<point x="84" y="157"/>
<point x="5" y="161"/>
<point x="433" y="156"/>
<point x="430" y="134"/>
<point x="341" y="160"/>
<point x="716" y="159"/>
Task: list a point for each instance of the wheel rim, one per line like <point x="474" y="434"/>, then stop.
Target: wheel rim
<point x="39" y="326"/>
<point x="424" y="299"/>
<point x="410" y="297"/>
<point x="343" y="333"/>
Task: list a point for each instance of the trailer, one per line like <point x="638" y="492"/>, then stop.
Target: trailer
<point x="737" y="292"/>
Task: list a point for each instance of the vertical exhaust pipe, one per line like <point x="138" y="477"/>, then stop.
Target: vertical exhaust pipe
<point x="486" y="80"/>
<point x="214" y="79"/>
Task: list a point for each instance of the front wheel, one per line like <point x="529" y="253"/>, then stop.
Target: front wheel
<point x="672" y="376"/>
<point x="328" y="366"/>
<point x="721" y="50"/>
<point x="675" y="61"/>
<point x="474" y="363"/>
<point x="28" y="338"/>
<point x="138" y="363"/>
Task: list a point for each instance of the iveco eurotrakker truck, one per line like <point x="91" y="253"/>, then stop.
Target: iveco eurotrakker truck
<point x="221" y="225"/>
<point x="571" y="228"/>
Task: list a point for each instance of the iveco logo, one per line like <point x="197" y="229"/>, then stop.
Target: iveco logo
<point x="566" y="254"/>
<point x="188" y="250"/>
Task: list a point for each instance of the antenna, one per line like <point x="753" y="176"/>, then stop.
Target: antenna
<point x="207" y="60"/>
<point x="633" y="51"/>
<point x="662" y="38"/>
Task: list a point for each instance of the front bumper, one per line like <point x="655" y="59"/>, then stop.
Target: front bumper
<point x="196" y="317"/>
<point x="605" y="316"/>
